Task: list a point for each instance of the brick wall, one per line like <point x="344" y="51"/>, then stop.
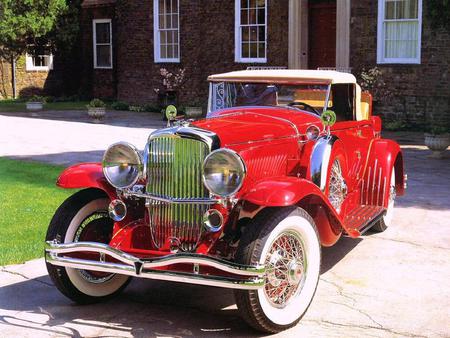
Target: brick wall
<point x="421" y="92"/>
<point x="207" y="47"/>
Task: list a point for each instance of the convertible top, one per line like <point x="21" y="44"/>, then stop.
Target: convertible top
<point x="285" y="76"/>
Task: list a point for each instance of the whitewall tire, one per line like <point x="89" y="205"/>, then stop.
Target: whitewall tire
<point x="84" y="212"/>
<point x="286" y="242"/>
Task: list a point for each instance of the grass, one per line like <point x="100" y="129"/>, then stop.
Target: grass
<point x="28" y="200"/>
<point x="14" y="106"/>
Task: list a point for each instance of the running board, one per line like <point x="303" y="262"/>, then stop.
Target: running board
<point x="363" y="217"/>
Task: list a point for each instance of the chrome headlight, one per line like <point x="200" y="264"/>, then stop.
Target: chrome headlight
<point x="223" y="172"/>
<point x="122" y="165"/>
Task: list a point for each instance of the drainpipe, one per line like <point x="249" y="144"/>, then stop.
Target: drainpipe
<point x="13" y="76"/>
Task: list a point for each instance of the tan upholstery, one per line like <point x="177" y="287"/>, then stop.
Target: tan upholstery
<point x="315" y="98"/>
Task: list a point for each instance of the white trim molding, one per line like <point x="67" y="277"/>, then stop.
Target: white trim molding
<point x="381" y="33"/>
<point x="30" y="65"/>
<point x="167" y="36"/>
<point x="95" y="44"/>
<point x="239" y="26"/>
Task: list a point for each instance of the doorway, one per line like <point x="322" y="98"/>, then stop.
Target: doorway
<point x="321" y="34"/>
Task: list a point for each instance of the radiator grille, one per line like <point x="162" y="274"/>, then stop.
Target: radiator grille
<point x="175" y="171"/>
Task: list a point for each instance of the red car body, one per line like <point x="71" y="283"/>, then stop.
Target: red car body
<point x="284" y="167"/>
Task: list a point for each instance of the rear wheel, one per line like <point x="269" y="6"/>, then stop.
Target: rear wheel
<point x="84" y="217"/>
<point x="386" y="220"/>
<point x="286" y="242"/>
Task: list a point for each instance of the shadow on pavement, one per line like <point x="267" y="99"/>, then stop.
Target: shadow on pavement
<point x="146" y="308"/>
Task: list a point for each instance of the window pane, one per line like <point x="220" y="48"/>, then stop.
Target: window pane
<point x="103" y="56"/>
<point x="245" y="50"/>
<point x="102" y="32"/>
<point x="252" y="17"/>
<point x="163" y="51"/>
<point x="252" y="3"/>
<point x="163" y="37"/>
<point x="389" y="11"/>
<point x="245" y="34"/>
<point x="260" y="3"/>
<point x="262" y="33"/>
<point x="401" y="39"/>
<point x="244" y="3"/>
<point x="261" y="16"/>
<point x="253" y="50"/>
<point x="254" y="33"/>
<point x="244" y="17"/>
<point x="262" y="50"/>
<point x="162" y="22"/>
<point x="407" y="9"/>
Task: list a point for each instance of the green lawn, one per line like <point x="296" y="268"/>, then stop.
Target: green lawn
<point x="18" y="106"/>
<point x="28" y="199"/>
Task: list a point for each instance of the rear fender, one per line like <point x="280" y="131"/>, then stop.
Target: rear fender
<point x="86" y="175"/>
<point x="287" y="191"/>
<point x="384" y="155"/>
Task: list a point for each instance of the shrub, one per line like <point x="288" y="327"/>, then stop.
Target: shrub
<point x="37" y="98"/>
<point x="437" y="130"/>
<point x="120" y="105"/>
<point x="394" y="125"/>
<point x="136" y="108"/>
<point x="96" y="103"/>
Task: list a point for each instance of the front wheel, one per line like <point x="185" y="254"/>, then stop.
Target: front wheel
<point x="286" y="242"/>
<point x="84" y="217"/>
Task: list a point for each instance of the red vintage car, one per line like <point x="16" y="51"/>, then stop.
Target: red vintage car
<point x="286" y="161"/>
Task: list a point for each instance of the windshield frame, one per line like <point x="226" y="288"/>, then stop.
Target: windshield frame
<point x="286" y="83"/>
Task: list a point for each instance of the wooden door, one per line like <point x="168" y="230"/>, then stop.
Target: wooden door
<point x="322" y="34"/>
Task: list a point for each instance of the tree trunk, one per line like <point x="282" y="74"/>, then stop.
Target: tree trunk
<point x="13" y="77"/>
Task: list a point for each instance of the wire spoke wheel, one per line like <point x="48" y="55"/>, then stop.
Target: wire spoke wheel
<point x="286" y="269"/>
<point x="337" y="186"/>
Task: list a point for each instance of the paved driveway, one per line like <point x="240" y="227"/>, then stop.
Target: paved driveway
<point x="394" y="284"/>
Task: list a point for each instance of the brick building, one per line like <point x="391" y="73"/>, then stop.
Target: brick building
<point x="126" y="42"/>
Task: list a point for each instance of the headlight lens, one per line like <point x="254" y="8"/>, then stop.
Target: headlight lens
<point x="223" y="172"/>
<point x="122" y="165"/>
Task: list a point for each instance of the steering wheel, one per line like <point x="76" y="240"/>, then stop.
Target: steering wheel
<point x="304" y="105"/>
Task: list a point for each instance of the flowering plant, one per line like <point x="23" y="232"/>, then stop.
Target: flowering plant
<point x="171" y="80"/>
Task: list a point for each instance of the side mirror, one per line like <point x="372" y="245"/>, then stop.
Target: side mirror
<point x="376" y="122"/>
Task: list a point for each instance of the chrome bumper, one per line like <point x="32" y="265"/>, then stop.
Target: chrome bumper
<point x="244" y="277"/>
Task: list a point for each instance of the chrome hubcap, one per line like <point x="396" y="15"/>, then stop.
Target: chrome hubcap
<point x="285" y="264"/>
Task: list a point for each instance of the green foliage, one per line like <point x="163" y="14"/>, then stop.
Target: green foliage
<point x="152" y="108"/>
<point x="37" y="98"/>
<point x="395" y="125"/>
<point x="137" y="108"/>
<point x="96" y="103"/>
<point x="439" y="13"/>
<point x="437" y="130"/>
<point x="372" y="81"/>
<point x="29" y="198"/>
<point x="120" y="105"/>
<point x="22" y="21"/>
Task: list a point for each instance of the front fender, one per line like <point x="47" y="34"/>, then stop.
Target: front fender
<point x="85" y="175"/>
<point x="287" y="191"/>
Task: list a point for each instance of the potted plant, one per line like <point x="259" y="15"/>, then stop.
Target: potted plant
<point x="96" y="110"/>
<point x="35" y="103"/>
<point x="437" y="139"/>
<point x="171" y="82"/>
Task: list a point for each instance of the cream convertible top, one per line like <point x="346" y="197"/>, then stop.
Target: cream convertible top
<point x="296" y="76"/>
<point x="286" y="76"/>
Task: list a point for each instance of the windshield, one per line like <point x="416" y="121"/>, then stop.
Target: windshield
<point x="311" y="97"/>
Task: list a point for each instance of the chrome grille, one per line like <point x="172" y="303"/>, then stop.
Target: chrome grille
<point x="175" y="171"/>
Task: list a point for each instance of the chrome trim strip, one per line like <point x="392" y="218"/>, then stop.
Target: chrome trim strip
<point x="320" y="158"/>
<point x="170" y="200"/>
<point x="134" y="266"/>
<point x="195" y="133"/>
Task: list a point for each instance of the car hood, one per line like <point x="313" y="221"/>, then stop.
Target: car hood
<point x="248" y="124"/>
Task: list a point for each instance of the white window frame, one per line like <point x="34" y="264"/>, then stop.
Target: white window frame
<point x="381" y="37"/>
<point x="156" y="36"/>
<point x="238" y="36"/>
<point x="94" y="40"/>
<point x="29" y="65"/>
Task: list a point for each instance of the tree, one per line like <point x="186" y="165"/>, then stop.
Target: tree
<point x="22" y="21"/>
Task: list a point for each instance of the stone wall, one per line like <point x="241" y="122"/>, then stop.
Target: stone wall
<point x="28" y="82"/>
<point x="421" y="93"/>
